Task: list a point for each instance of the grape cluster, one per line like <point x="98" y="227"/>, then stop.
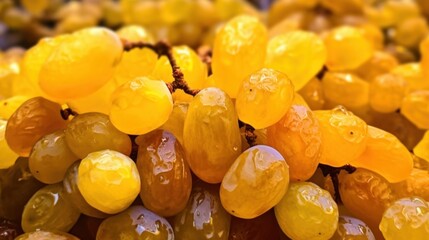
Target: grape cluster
<point x="307" y="121"/>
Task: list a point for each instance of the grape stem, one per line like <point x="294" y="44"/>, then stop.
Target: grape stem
<point x="162" y="48"/>
<point x="66" y="113"/>
<point x="249" y="133"/>
<point x="205" y="53"/>
<point x="333" y="173"/>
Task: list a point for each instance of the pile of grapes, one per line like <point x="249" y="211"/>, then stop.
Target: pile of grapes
<point x="307" y="121"/>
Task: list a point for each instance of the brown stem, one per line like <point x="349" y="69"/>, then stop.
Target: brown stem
<point x="205" y="53"/>
<point x="66" y="113"/>
<point x="333" y="172"/>
<point x="249" y="133"/>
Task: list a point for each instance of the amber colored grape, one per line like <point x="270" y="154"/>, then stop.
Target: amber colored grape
<point x="203" y="217"/>
<point x="380" y="63"/>
<point x="344" y="136"/>
<point x="35" y="118"/>
<point x="212" y="120"/>
<point x="415" y="107"/>
<point x="350" y="228"/>
<point x="255" y="182"/>
<point x="312" y="92"/>
<point x="166" y="180"/>
<point x="415" y="185"/>
<point x="9" y="105"/>
<point x="298" y="137"/>
<point x="422" y="148"/>
<point x="135" y="223"/>
<point x="45" y="235"/>
<point x="176" y="121"/>
<point x="413" y="73"/>
<point x="411" y="32"/>
<point x="386" y="92"/>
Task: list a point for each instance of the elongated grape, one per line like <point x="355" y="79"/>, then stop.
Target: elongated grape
<point x="415" y="107"/>
<point x="135" y="33"/>
<point x="387" y="92"/>
<point x="9" y="105"/>
<point x="176" y="121"/>
<point x="166" y="180"/>
<point x="422" y="148"/>
<point x="255" y="182"/>
<point x="415" y="185"/>
<point x="35" y="118"/>
<point x="48" y="210"/>
<point x="352" y="228"/>
<point x="211" y="119"/>
<point x="298" y="137"/>
<point x="91" y="132"/>
<point x="135" y="223"/>
<point x="307" y="212"/>
<point x="264" y="97"/>
<point x="42" y="235"/>
<point x="313" y="95"/>
<point x="380" y="63"/>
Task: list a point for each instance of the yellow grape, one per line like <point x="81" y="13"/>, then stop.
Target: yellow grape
<point x="135" y="33"/>
<point x="174" y="11"/>
<point x="312" y="93"/>
<point x="108" y="180"/>
<point x="415" y="107"/>
<point x="415" y="185"/>
<point x="344" y="136"/>
<point x="298" y="54"/>
<point x="82" y="64"/>
<point x="239" y="49"/>
<point x="140" y="106"/>
<point x="35" y="7"/>
<point x="9" y="105"/>
<point x="413" y="73"/>
<point x="7" y="156"/>
<point x="8" y="74"/>
<point x="144" y="13"/>
<point x="424" y="51"/>
<point x="422" y="148"/>
<point x="386" y="92"/>
<point x="264" y="97"/>
<point x="176" y="121"/>
<point x="411" y="32"/>
<point x="380" y="63"/>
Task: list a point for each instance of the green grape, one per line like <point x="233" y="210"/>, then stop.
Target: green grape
<point x="82" y="64"/>
<point x="9" y="105"/>
<point x="415" y="107"/>
<point x="48" y="210"/>
<point x="264" y="97"/>
<point x="7" y="156"/>
<point x="406" y="218"/>
<point x="386" y="92"/>
<point x="140" y="106"/>
<point x="211" y="119"/>
<point x="72" y="193"/>
<point x="46" y="235"/>
<point x="347" y="48"/>
<point x="108" y="180"/>
<point x="34" y="119"/>
<point x="298" y="137"/>
<point x="239" y="50"/>
<point x="50" y="158"/>
<point x="166" y="180"/>
<point x="352" y="228"/>
<point x="307" y="212"/>
<point x="135" y="33"/>
<point x="176" y="121"/>
<point x="344" y="136"/>
<point x="345" y="89"/>
<point x="17" y="185"/>
<point x="312" y="93"/>
<point x="255" y="182"/>
<point x="298" y="54"/>
<point x="203" y="217"/>
<point x="91" y="132"/>
<point x="174" y="11"/>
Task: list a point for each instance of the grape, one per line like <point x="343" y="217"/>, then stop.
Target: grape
<point x="239" y="50"/>
<point x="17" y="185"/>
<point x="7" y="156"/>
<point x="203" y="217"/>
<point x="174" y="11"/>
<point x="347" y="48"/>
<point x="422" y="148"/>
<point x="211" y="119"/>
<point x="415" y="107"/>
<point x="112" y="14"/>
<point x="135" y="33"/>
<point x="380" y="63"/>
<point x="352" y="228"/>
<point x="91" y="132"/>
<point x="166" y="180"/>
<point x="108" y="180"/>
<point x="298" y="54"/>
<point x="72" y="193"/>
<point x="406" y="218"/>
<point x="48" y="210"/>
<point x="35" y="7"/>
<point x="413" y="74"/>
<point x="411" y="31"/>
<point x="176" y="121"/>
<point x="34" y="119"/>
<point x="82" y="64"/>
<point x="307" y="212"/>
<point x="140" y="106"/>
<point x="145" y="13"/>
<point x="387" y="92"/>
<point x="264" y="97"/>
<point x="298" y="137"/>
<point x="9" y="105"/>
<point x="344" y="136"/>
<point x="415" y="185"/>
<point x="343" y="7"/>
<point x="312" y="93"/>
<point x="50" y="158"/>
<point x="255" y="182"/>
<point x="45" y="235"/>
<point x="385" y="155"/>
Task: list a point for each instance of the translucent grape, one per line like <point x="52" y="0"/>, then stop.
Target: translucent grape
<point x="380" y="63"/>
<point x="344" y="136"/>
<point x="406" y="218"/>
<point x="238" y="51"/>
<point x="415" y="107"/>
<point x="91" y="132"/>
<point x="422" y="148"/>
<point x="411" y="32"/>
<point x="108" y="180"/>
<point x="166" y="179"/>
<point x="82" y="64"/>
<point x="313" y="95"/>
<point x="176" y="121"/>
<point x="352" y="228"/>
<point x="7" y="156"/>
<point x="413" y="74"/>
<point x="415" y="185"/>
<point x="48" y="210"/>
<point x="174" y="11"/>
<point x="9" y="105"/>
<point x="298" y="54"/>
<point x="211" y="119"/>
<point x="307" y="212"/>
<point x="35" y="118"/>
<point x="135" y="223"/>
<point x="298" y="137"/>
<point x="387" y="92"/>
<point x="45" y="235"/>
<point x="135" y="33"/>
<point x="255" y="182"/>
<point x="264" y="97"/>
<point x="140" y="106"/>
<point x="347" y="48"/>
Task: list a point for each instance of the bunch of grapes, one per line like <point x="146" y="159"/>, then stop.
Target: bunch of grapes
<point x="307" y="121"/>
